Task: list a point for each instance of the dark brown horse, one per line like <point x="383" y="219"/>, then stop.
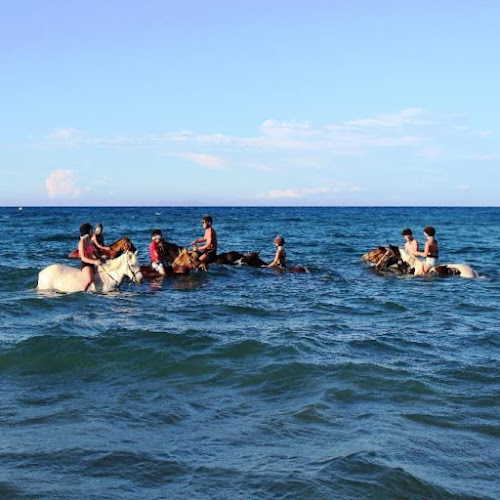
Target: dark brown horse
<point x="252" y="259"/>
<point x="116" y="249"/>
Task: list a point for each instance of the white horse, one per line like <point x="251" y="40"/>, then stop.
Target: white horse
<point x="107" y="277"/>
<point x="463" y="270"/>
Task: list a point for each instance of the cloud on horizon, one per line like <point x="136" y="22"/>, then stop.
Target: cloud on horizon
<point x="61" y="184"/>
<point x="292" y="193"/>
<point x="343" y="138"/>
<point x="203" y="160"/>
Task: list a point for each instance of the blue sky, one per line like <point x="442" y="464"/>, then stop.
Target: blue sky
<point x="251" y="103"/>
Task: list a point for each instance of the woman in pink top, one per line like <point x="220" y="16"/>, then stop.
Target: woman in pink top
<point x="87" y="253"/>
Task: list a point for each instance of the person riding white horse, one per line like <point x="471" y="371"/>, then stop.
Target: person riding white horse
<point x="107" y="277"/>
<point x="463" y="270"/>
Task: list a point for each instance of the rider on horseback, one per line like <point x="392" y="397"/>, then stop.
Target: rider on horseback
<point x="88" y="255"/>
<point x="431" y="250"/>
<point x="157" y="252"/>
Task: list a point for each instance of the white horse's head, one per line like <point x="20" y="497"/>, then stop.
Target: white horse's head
<point x="133" y="268"/>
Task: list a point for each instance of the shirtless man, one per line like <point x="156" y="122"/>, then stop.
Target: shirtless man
<point x="411" y="245"/>
<point x="209" y="249"/>
<point x="431" y="250"/>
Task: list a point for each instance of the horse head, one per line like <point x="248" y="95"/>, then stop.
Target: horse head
<point x="121" y="246"/>
<point x="185" y="261"/>
<point x="252" y="259"/>
<point x="133" y="268"/>
<point x="382" y="257"/>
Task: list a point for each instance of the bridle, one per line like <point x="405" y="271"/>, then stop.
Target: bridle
<point x="129" y="267"/>
<point x="191" y="262"/>
<point x="134" y="274"/>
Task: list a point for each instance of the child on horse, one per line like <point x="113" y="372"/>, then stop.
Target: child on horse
<point x="156" y="252"/>
<point x="280" y="255"/>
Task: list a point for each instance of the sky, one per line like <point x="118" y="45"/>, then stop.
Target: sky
<point x="262" y="103"/>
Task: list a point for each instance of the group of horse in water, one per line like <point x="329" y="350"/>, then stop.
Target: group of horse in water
<point x="122" y="261"/>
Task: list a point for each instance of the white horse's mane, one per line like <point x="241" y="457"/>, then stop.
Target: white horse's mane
<point x="113" y="264"/>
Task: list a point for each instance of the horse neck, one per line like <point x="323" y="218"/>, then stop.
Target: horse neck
<point x="118" y="245"/>
<point x="413" y="261"/>
<point x="183" y="260"/>
<point x="112" y="272"/>
<point x="114" y="264"/>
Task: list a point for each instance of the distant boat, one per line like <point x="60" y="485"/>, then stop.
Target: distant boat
<point x="20" y="208"/>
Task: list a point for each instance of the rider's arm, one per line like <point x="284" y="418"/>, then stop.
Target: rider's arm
<point x="274" y="263"/>
<point x="425" y="253"/>
<point x="207" y="238"/>
<point x="97" y="245"/>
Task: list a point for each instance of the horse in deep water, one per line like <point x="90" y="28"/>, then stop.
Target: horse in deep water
<point x="397" y="260"/>
<point x="463" y="270"/>
<point x="107" y="277"/>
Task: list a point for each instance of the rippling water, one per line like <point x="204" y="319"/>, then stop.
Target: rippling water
<point x="251" y="383"/>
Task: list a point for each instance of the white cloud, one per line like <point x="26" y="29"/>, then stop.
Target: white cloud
<point x="407" y="128"/>
<point x="292" y="193"/>
<point x="64" y="134"/>
<point x="488" y="157"/>
<point x="408" y="116"/>
<point x="463" y="187"/>
<point x="61" y="184"/>
<point x="203" y="160"/>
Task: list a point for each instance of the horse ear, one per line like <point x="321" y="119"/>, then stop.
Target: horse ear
<point x="136" y="252"/>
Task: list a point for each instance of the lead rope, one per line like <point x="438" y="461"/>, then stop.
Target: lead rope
<point x="106" y="272"/>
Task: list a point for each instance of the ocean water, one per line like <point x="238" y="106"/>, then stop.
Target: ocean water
<point x="253" y="383"/>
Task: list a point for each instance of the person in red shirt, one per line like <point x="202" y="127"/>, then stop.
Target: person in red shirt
<point x="156" y="252"/>
<point x="209" y="248"/>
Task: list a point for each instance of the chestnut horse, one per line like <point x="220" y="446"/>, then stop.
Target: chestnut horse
<point x="117" y="248"/>
<point x="187" y="261"/>
<point x="387" y="259"/>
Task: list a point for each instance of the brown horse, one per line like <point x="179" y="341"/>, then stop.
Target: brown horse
<point x="187" y="261"/>
<point x="116" y="249"/>
<point x="386" y="259"/>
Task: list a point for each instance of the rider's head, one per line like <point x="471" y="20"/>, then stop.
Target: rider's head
<point x="156" y="234"/>
<point x="85" y="229"/>
<point x="207" y="219"/>
<point x="429" y="231"/>
<point x="407" y="232"/>
<point x="279" y="241"/>
<point x="98" y="228"/>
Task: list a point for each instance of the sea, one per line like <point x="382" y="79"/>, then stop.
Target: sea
<point x="243" y="383"/>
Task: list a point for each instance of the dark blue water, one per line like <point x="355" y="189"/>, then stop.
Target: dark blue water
<point x="251" y="383"/>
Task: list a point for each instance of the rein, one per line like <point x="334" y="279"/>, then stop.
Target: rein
<point x="129" y="267"/>
<point x="108" y="274"/>
<point x="382" y="258"/>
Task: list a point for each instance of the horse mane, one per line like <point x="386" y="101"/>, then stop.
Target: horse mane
<point x="113" y="264"/>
